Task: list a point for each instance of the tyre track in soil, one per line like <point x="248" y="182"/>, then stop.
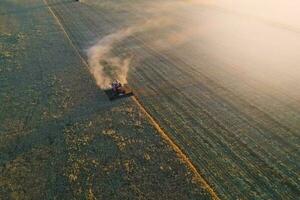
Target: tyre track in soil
<point x="198" y="177"/>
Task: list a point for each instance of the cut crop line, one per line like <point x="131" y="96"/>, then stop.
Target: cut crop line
<point x="66" y="34"/>
<point x="163" y="134"/>
<point x="179" y="152"/>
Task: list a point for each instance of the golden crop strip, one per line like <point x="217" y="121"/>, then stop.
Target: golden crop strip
<point x="198" y="177"/>
<point x="178" y="151"/>
<point x="66" y="34"/>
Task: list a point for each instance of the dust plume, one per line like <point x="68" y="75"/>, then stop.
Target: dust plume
<point x="106" y="67"/>
<point x="99" y="56"/>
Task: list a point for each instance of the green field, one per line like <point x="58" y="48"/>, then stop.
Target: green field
<point x="226" y="93"/>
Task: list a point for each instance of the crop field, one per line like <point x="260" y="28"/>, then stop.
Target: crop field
<point x="60" y="136"/>
<point x="221" y="84"/>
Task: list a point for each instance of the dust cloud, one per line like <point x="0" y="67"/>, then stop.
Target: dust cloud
<point x="99" y="56"/>
<point x="106" y="67"/>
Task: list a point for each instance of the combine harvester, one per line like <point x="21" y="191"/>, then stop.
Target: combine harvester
<point x="118" y="91"/>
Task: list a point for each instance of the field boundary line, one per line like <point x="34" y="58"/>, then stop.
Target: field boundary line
<point x="66" y="34"/>
<point x="199" y="178"/>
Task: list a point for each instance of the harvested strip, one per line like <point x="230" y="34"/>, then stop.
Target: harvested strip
<point x="179" y="152"/>
<point x="66" y="34"/>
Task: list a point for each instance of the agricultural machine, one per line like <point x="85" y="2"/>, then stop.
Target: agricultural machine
<point x="118" y="90"/>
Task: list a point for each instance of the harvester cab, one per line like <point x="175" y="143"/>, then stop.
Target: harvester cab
<point x="118" y="90"/>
